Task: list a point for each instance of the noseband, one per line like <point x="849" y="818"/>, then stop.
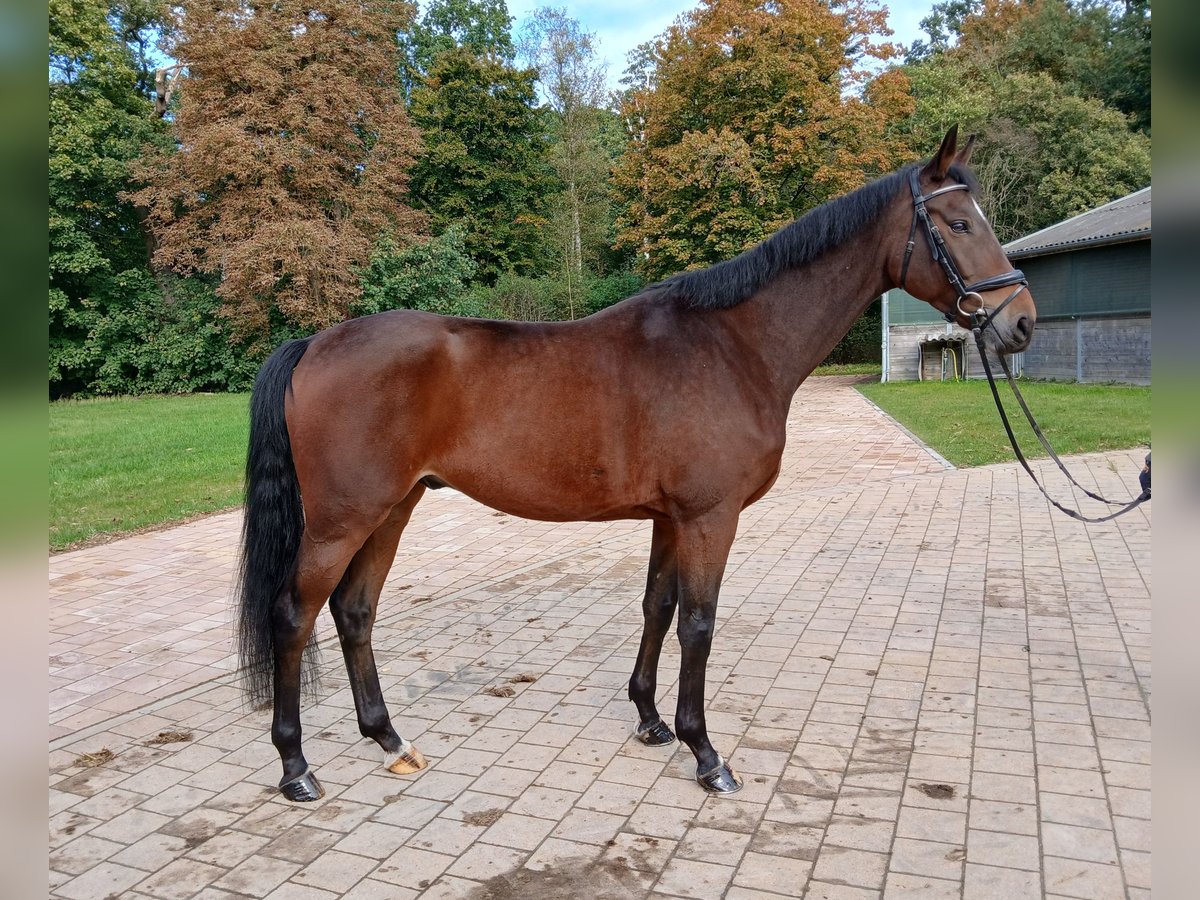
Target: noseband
<point x="980" y="319"/>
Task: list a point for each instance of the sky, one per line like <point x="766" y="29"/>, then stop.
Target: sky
<point x="620" y="25"/>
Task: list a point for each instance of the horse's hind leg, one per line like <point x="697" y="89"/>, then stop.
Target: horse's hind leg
<point x="353" y="606"/>
<point x="658" y="608"/>
<point x="319" y="567"/>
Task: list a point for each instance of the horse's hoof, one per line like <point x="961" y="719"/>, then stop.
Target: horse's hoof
<point x="720" y="780"/>
<point x="407" y="761"/>
<point x="655" y="735"/>
<point x="303" y="788"/>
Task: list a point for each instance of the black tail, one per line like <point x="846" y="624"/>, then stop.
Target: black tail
<point x="273" y="522"/>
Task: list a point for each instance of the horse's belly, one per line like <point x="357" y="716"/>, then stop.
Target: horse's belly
<point x="551" y="494"/>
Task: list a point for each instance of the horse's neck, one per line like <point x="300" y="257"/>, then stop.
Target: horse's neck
<point x="801" y="315"/>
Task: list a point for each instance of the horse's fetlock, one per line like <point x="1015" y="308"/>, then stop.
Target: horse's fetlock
<point x="640" y="686"/>
<point x="689" y="728"/>
<point x="285" y="735"/>
<point x="375" y="726"/>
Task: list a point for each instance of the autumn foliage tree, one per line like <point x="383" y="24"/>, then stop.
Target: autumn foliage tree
<point x="293" y="152"/>
<point x="747" y="114"/>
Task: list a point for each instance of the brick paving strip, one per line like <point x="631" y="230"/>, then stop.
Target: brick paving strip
<point x="931" y="685"/>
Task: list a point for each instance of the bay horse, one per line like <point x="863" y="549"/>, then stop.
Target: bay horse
<point x="670" y="406"/>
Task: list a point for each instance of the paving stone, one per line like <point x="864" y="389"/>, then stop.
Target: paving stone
<point x="931" y="825"/>
<point x="1087" y="812"/>
<point x="858" y="868"/>
<point x="997" y="883"/>
<point x="257" y="876"/>
<point x="689" y="878"/>
<point x="181" y="878"/>
<point x="937" y="860"/>
<point x="660" y="821"/>
<point x="920" y="887"/>
<point x="413" y="868"/>
<point x="370" y="889"/>
<point x="484" y="861"/>
<point x="290" y="891"/>
<point x="997" y="848"/>
<point x="820" y="890"/>
<point x="1074" y="878"/>
<point x="228" y="848"/>
<point x="152" y="852"/>
<point x="334" y="871"/>
<point x="588" y="826"/>
<point x="639" y="851"/>
<point x="1073" y="842"/>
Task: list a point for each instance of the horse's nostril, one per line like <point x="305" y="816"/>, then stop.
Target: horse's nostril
<point x="1024" y="327"/>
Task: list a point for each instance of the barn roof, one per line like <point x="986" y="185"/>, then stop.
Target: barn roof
<point x="1126" y="219"/>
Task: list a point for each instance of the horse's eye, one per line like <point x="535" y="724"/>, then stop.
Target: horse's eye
<point x="960" y="227"/>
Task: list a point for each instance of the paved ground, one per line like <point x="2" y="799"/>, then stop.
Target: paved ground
<point x="931" y="686"/>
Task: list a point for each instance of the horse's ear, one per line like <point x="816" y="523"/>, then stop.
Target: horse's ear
<point x="964" y="155"/>
<point x="944" y="158"/>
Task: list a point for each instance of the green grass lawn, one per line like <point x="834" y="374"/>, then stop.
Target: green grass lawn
<point x="959" y="420"/>
<point x="849" y="369"/>
<point x="122" y="464"/>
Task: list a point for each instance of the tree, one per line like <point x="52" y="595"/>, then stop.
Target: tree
<point x="432" y="275"/>
<point x="1027" y="77"/>
<point x="483" y="163"/>
<point x="697" y="202"/>
<point x="769" y="106"/>
<point x="1124" y="82"/>
<point x="483" y="27"/>
<point x="1099" y="49"/>
<point x="943" y="25"/>
<point x="1069" y="153"/>
<point x="294" y="152"/>
<point x="573" y="83"/>
<point x="99" y="120"/>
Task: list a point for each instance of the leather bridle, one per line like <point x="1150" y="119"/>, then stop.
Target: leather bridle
<point x="941" y="255"/>
<point x="980" y="318"/>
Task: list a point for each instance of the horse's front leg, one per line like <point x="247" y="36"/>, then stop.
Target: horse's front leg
<point x="702" y="547"/>
<point x="658" y="609"/>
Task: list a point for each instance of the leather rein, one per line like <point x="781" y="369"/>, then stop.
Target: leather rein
<point x="980" y="318"/>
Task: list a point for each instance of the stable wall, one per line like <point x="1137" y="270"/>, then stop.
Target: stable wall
<point x="1091" y="350"/>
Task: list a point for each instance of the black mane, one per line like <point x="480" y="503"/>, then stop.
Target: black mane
<point x="819" y="230"/>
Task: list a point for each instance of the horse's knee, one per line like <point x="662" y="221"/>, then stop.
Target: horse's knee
<point x="696" y="630"/>
<point x="659" y="608"/>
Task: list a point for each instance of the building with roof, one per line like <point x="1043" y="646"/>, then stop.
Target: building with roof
<point x="1090" y="276"/>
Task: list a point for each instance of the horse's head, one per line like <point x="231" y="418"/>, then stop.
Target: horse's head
<point x="952" y="259"/>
